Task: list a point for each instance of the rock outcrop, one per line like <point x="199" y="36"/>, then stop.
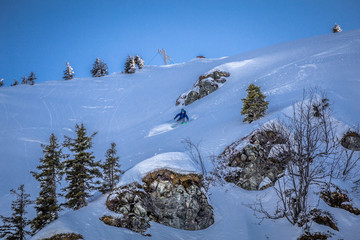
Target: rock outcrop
<point x="258" y="164"/>
<point x="339" y="199"/>
<point x="323" y="218"/>
<point x="205" y="85"/>
<point x="166" y="197"/>
<point x="351" y="141"/>
<point x="65" y="236"/>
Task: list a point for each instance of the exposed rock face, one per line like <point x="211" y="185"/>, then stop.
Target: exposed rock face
<point x="323" y="218"/>
<point x="205" y="85"/>
<point x="314" y="236"/>
<point x="168" y="198"/>
<point x="259" y="169"/>
<point x="351" y="141"/>
<point x="65" y="236"/>
<point x="129" y="221"/>
<point x="339" y="199"/>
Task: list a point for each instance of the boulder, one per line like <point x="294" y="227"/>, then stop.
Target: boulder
<point x="205" y="85"/>
<point x="323" y="218"/>
<point x="351" y="141"/>
<point x="130" y="221"/>
<point x="259" y="169"/>
<point x="65" y="236"/>
<point x="166" y="197"/>
<point x="339" y="199"/>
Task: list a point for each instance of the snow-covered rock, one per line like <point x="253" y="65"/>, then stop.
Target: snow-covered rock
<point x="205" y="85"/>
<point x="166" y="197"/>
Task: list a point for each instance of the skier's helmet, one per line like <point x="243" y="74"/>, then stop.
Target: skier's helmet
<point x="182" y="110"/>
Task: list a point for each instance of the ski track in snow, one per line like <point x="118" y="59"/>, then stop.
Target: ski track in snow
<point x="49" y="112"/>
<point x="163" y="128"/>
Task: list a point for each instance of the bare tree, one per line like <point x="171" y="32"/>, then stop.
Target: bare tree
<point x="310" y="147"/>
<point x="195" y="154"/>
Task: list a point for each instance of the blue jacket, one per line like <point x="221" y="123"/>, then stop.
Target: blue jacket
<point x="182" y="115"/>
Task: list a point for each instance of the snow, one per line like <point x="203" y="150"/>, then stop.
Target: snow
<point x="136" y="110"/>
<point x="162" y="128"/>
<point x="265" y="182"/>
<point x="176" y="161"/>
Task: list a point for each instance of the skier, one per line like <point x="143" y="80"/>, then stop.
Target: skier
<point x="182" y="116"/>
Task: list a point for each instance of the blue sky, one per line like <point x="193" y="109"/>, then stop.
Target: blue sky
<point x="42" y="35"/>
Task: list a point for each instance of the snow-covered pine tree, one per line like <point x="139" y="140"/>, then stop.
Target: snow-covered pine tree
<point x="139" y="62"/>
<point x="336" y="28"/>
<point x="31" y="79"/>
<point x="81" y="169"/>
<point x="110" y="170"/>
<point x="99" y="68"/>
<point x="69" y="72"/>
<point x="1" y="82"/>
<point x="14" y="227"/>
<point x="47" y="206"/>
<point x="104" y="68"/>
<point x="254" y="105"/>
<point x="16" y="82"/>
<point x="24" y="80"/>
<point x="130" y="66"/>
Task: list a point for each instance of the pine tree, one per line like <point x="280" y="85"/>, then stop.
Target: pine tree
<point x="254" y="105"/>
<point x="14" y="227"/>
<point x="99" y="68"/>
<point x="139" y="61"/>
<point x="1" y="82"/>
<point x="81" y="169"/>
<point x="15" y="83"/>
<point x="24" y="80"/>
<point x="28" y="80"/>
<point x="336" y="29"/>
<point x="130" y="66"/>
<point x="47" y="206"/>
<point x="110" y="170"/>
<point x="69" y="72"/>
<point x="31" y="79"/>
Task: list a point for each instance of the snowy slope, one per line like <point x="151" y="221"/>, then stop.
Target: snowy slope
<point x="135" y="111"/>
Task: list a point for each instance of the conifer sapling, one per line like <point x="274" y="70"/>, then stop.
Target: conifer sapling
<point x="254" y="105"/>
<point x="69" y="72"/>
<point x="111" y="170"/>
